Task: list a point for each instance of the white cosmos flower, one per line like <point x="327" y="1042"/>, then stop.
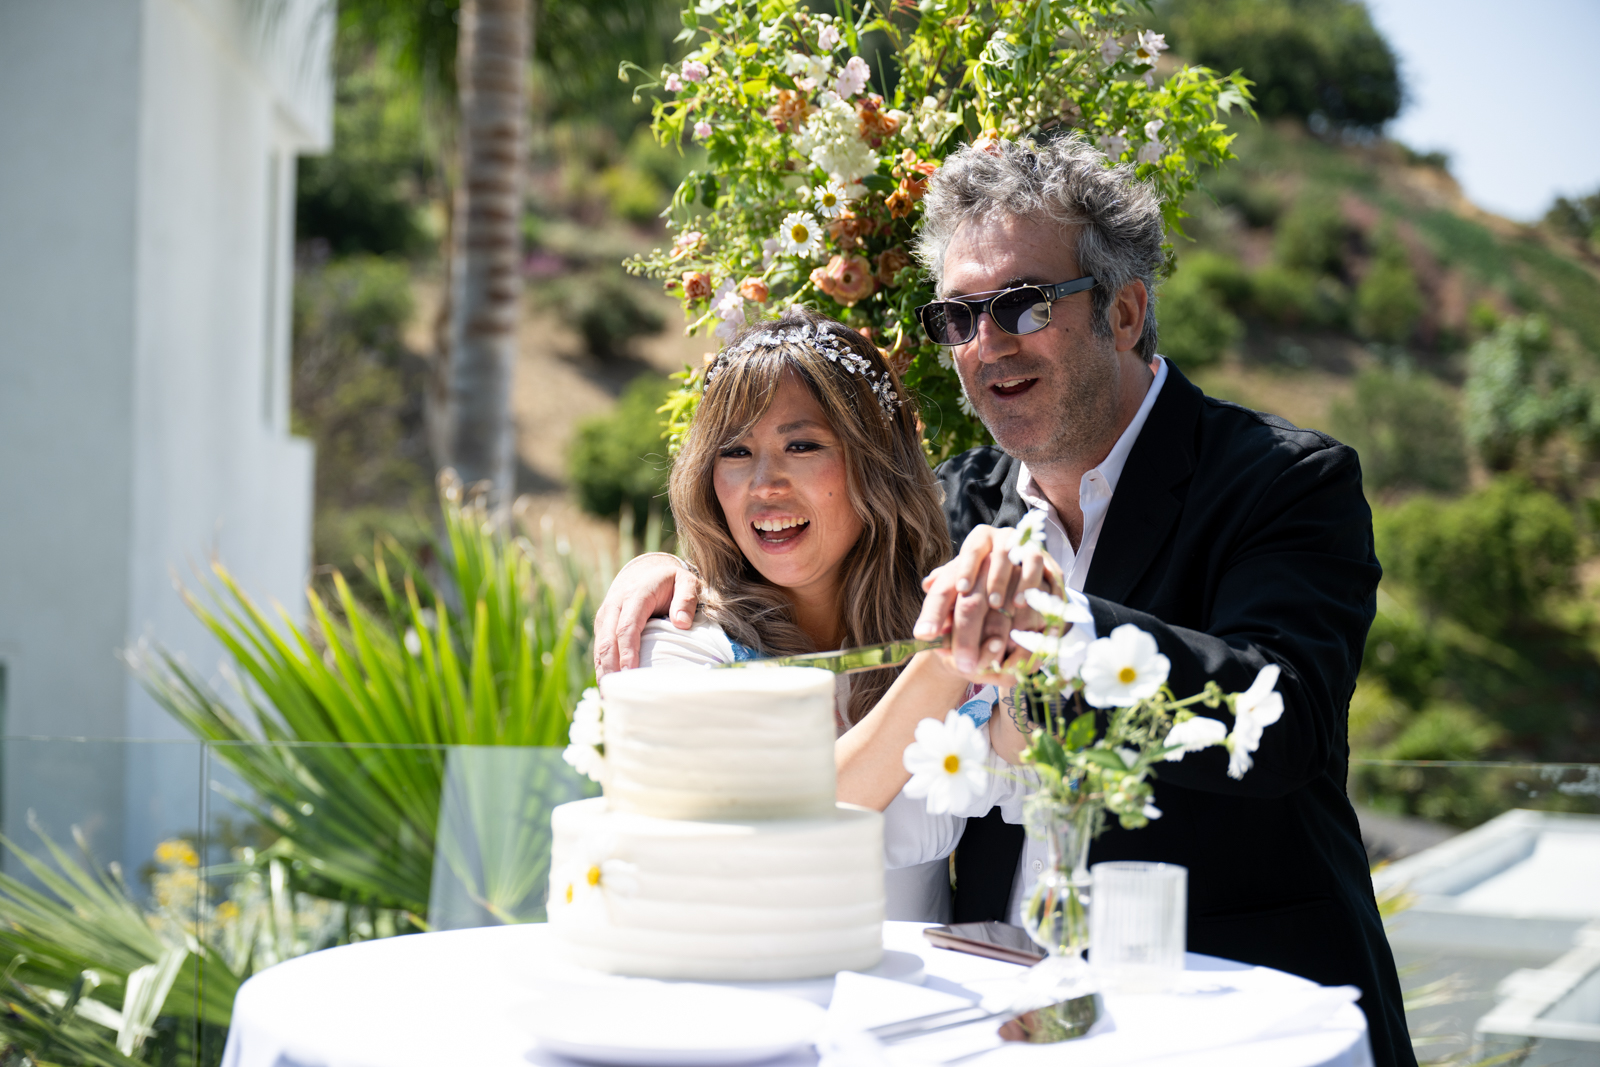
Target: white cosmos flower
<point x="1149" y="47"/>
<point x="1030" y="531"/>
<point x="800" y="235"/>
<point x="587" y="736"/>
<point x="1194" y="734"/>
<point x="1056" y="608"/>
<point x="1151" y="811"/>
<point x="1123" y="669"/>
<point x="829" y="199"/>
<point x="1254" y="710"/>
<point x="1055" y="648"/>
<point x="946" y="762"/>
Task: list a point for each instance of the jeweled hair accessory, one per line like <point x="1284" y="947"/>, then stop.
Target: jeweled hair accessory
<point x="823" y="340"/>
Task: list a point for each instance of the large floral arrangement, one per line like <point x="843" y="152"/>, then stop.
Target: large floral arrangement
<point x="817" y="162"/>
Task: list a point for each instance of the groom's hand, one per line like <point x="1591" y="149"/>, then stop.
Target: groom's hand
<point x="649" y="586"/>
<point x="977" y="597"/>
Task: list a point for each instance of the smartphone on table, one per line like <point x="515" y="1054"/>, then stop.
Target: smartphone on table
<point x="996" y="940"/>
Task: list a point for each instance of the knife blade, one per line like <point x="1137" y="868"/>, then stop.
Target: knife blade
<point x="851" y="660"/>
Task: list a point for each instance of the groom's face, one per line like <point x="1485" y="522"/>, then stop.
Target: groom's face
<point x="1047" y="397"/>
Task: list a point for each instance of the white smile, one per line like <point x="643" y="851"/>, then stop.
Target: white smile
<point x="774" y="525"/>
<point x="1011" y="383"/>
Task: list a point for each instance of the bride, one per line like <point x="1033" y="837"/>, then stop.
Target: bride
<point x="804" y="502"/>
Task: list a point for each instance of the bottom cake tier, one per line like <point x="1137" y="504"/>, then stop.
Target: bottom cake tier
<point x="735" y="901"/>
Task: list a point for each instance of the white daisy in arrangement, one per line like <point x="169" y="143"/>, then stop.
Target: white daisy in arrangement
<point x="800" y="235"/>
<point x="1030" y="531"/>
<point x="1192" y="735"/>
<point x="946" y="762"/>
<point x="1123" y="669"/>
<point x="1056" y="608"/>
<point x="829" y="200"/>
<point x="1254" y="710"/>
<point x="586" y="736"/>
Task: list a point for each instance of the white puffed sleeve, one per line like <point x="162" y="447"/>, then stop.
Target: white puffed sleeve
<point x="702" y="645"/>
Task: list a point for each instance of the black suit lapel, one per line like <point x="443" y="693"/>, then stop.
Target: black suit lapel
<point x="1143" y="508"/>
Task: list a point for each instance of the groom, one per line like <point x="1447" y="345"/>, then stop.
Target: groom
<point x="1234" y="538"/>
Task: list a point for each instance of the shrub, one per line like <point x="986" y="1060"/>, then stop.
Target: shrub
<point x="1308" y="58"/>
<point x="1196" y="325"/>
<point x="1311" y="236"/>
<point x="1257" y="203"/>
<point x="1403" y="653"/>
<point x="620" y="457"/>
<point x="1578" y="217"/>
<point x="1388" y="302"/>
<point x="1518" y="395"/>
<point x="356" y="391"/>
<point x="1489" y="559"/>
<point x="1405" y="428"/>
<point x="1295" y="298"/>
<point x="609" y="313"/>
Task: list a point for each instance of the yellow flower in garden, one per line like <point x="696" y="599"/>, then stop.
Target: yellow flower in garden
<point x="176" y="852"/>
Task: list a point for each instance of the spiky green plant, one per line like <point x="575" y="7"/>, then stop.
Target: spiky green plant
<point x="348" y="719"/>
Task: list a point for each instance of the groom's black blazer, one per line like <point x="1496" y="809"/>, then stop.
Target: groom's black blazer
<point x="1237" y="540"/>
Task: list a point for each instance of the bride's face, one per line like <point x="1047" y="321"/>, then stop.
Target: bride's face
<point x="783" y="490"/>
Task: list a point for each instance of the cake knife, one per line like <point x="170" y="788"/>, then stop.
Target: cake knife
<point x="851" y="660"/>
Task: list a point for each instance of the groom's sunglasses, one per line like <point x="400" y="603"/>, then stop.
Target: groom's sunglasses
<point x="1019" y="311"/>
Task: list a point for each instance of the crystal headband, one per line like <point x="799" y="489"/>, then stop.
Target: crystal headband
<point x="822" y="340"/>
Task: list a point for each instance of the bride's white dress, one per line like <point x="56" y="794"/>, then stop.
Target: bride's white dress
<point x="916" y="845"/>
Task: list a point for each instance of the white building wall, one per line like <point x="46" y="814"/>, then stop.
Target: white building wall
<point x="146" y="188"/>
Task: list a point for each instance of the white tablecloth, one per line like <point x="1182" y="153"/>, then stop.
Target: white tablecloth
<point x="430" y="1000"/>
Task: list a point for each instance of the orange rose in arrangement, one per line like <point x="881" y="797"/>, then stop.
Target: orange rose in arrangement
<point x="754" y="290"/>
<point x="876" y="126"/>
<point x="790" y="112"/>
<point x="988" y="141"/>
<point x="849" y="228"/>
<point x="891" y="263"/>
<point x="848" y="279"/>
<point x="696" y="285"/>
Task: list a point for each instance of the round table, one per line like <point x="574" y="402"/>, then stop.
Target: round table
<point x="427" y="1000"/>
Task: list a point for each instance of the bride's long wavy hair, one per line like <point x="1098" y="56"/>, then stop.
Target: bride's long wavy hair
<point x="903" y="531"/>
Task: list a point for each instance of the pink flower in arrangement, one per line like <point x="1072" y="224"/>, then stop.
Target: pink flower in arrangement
<point x="702" y="130"/>
<point x="694" y="70"/>
<point x="828" y="38"/>
<point x="848" y="279"/>
<point x="674" y="83"/>
<point x="853" y="78"/>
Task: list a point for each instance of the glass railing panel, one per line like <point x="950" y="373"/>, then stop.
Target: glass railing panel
<point x="1489" y="874"/>
<point x="313" y="845"/>
<point x="101" y="899"/>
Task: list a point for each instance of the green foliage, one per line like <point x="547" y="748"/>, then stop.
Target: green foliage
<point x="1578" y="217"/>
<point x="1445" y="731"/>
<point x="365" y="195"/>
<point x="356" y="392"/>
<point x="1406" y="430"/>
<point x="1518" y="395"/>
<point x="620" y="457"/>
<point x="609" y="311"/>
<point x="1404" y="652"/>
<point x="503" y="668"/>
<point x="1388" y="302"/>
<point x="1307" y="58"/>
<point x="1296" y="299"/>
<point x="1311" y="236"/>
<point x="1192" y="307"/>
<point x="1019" y="68"/>
<point x="1257" y="203"/>
<point x="1489" y="560"/>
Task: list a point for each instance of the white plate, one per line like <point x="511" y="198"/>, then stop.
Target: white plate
<point x="648" y="1024"/>
<point x="897" y="966"/>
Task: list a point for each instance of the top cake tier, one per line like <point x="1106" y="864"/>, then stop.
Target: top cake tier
<point x="756" y="743"/>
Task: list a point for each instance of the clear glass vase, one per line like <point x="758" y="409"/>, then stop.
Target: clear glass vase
<point x="1056" y="913"/>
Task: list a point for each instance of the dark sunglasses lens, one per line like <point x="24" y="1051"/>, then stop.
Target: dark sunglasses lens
<point x="1021" y="311"/>
<point x="947" y="322"/>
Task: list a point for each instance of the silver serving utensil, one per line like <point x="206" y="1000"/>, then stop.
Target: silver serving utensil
<point x="850" y="660"/>
<point x="1045" y="1025"/>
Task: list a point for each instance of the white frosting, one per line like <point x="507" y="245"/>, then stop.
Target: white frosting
<point x="752" y="743"/>
<point x="729" y="900"/>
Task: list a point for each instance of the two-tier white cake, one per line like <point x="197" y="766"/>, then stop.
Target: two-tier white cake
<point x="718" y="851"/>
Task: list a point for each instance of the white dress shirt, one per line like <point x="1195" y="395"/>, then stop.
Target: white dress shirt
<point x="1094" y="500"/>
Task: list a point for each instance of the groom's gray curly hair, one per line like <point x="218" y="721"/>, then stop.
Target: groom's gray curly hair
<point x="1064" y="182"/>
